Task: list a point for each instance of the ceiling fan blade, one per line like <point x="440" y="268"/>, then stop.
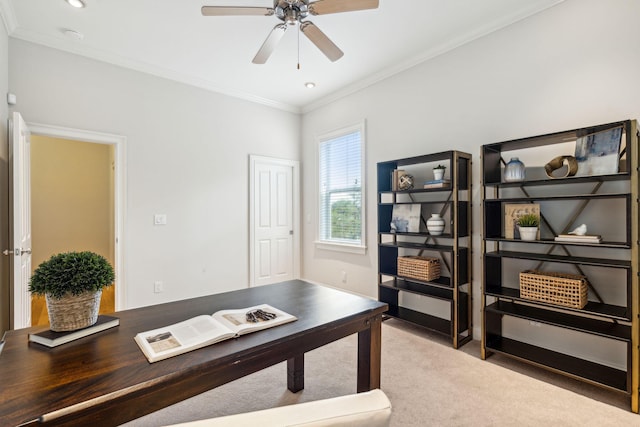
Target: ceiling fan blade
<point x="324" y="7"/>
<point x="270" y="44"/>
<point x="234" y="11"/>
<point x="322" y="42"/>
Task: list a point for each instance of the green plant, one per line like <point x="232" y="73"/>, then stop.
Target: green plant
<point x="73" y="273"/>
<point x="529" y="220"/>
<point x="440" y="167"/>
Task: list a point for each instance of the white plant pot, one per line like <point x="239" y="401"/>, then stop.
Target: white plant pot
<point x="528" y="233"/>
<point x="438" y="174"/>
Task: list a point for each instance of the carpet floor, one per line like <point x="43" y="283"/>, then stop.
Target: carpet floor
<point x="428" y="383"/>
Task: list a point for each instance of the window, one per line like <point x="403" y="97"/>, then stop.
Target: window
<point x="341" y="189"/>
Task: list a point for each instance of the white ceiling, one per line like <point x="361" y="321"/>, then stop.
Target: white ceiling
<point x="171" y="39"/>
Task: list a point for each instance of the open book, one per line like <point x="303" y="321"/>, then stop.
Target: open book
<point x="201" y="331"/>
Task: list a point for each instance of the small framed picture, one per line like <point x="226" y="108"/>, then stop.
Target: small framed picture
<point x="406" y="218"/>
<point x="512" y="212"/>
<point x="599" y="153"/>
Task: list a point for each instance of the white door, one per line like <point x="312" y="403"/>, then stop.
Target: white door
<point x="273" y="214"/>
<point x="20" y="188"/>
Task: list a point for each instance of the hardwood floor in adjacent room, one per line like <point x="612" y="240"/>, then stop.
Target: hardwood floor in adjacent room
<point x="40" y="316"/>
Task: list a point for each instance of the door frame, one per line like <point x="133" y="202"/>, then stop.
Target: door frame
<point x="295" y="189"/>
<point x="19" y="223"/>
<point x="119" y="143"/>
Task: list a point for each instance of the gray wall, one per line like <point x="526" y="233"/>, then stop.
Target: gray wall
<point x="570" y="66"/>
<point x="573" y="65"/>
<point x="187" y="156"/>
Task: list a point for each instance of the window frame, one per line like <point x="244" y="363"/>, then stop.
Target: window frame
<point x="342" y="246"/>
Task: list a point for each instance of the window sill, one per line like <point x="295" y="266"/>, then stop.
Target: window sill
<point x="341" y="247"/>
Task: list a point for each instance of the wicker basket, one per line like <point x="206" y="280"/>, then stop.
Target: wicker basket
<point x="568" y="290"/>
<point x="421" y="268"/>
<point x="73" y="312"/>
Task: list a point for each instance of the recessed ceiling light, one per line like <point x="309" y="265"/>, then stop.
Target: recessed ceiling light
<point x="310" y="85"/>
<point x="76" y="3"/>
<point x="73" y="34"/>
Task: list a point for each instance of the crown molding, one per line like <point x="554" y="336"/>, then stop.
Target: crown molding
<point x="8" y="16"/>
<point x="10" y="21"/>
<point x="132" y="64"/>
<point x="425" y="56"/>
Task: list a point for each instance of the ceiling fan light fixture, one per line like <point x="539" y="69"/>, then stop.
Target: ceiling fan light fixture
<point x="76" y="3"/>
<point x="291" y="16"/>
<point x="310" y="85"/>
<point x="73" y="34"/>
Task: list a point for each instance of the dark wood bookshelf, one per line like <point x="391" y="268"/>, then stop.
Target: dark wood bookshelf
<point x="434" y="323"/>
<point x="623" y="176"/>
<point x="607" y="329"/>
<point x="594" y="308"/>
<point x="603" y="244"/>
<point x="567" y="259"/>
<point x="429" y="289"/>
<point x="452" y="247"/>
<point x="612" y="312"/>
<point x="564" y="364"/>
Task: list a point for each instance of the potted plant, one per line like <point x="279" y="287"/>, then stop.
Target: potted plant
<point x="72" y="283"/>
<point x="438" y="172"/>
<point x="528" y="226"/>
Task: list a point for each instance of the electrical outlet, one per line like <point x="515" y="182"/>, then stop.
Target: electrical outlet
<point x="344" y="277"/>
<point x="157" y="287"/>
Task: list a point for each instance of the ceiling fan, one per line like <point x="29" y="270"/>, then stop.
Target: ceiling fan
<point x="291" y="12"/>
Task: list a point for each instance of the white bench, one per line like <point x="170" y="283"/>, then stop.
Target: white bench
<point x="369" y="409"/>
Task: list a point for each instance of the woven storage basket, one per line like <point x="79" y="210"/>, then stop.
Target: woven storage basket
<point x="421" y="268"/>
<point x="73" y="312"/>
<point x="568" y="290"/>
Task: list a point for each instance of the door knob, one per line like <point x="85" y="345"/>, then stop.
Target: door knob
<point x="17" y="252"/>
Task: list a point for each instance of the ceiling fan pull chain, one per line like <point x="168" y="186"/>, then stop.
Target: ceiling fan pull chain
<point x="298" y="46"/>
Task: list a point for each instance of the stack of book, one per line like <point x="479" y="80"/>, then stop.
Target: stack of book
<point x="53" y="339"/>
<point x="438" y="183"/>
<point x="395" y="178"/>
<point x="574" y="238"/>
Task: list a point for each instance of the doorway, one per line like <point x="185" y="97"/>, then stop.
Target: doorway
<point x="84" y="209"/>
<point x="72" y="204"/>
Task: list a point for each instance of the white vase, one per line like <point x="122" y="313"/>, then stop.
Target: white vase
<point x="438" y="174"/>
<point x="528" y="233"/>
<point x="435" y="224"/>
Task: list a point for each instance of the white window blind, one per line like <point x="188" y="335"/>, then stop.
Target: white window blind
<point x="341" y="216"/>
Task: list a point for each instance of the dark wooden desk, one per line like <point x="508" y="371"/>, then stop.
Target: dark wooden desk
<point x="105" y="379"/>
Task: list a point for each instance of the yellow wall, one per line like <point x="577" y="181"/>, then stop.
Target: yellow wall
<point x="72" y="187"/>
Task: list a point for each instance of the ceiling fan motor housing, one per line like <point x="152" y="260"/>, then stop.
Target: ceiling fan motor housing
<point x="291" y="11"/>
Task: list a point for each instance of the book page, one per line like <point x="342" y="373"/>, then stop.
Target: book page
<point x="252" y="319"/>
<point x="181" y="337"/>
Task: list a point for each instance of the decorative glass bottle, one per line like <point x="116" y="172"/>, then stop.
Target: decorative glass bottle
<point x="514" y="171"/>
<point x="435" y="224"/>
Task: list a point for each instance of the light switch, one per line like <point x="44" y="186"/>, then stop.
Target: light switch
<point x="160" y="219"/>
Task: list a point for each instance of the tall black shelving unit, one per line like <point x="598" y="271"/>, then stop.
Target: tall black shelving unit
<point x="452" y="248"/>
<point x="611" y="313"/>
